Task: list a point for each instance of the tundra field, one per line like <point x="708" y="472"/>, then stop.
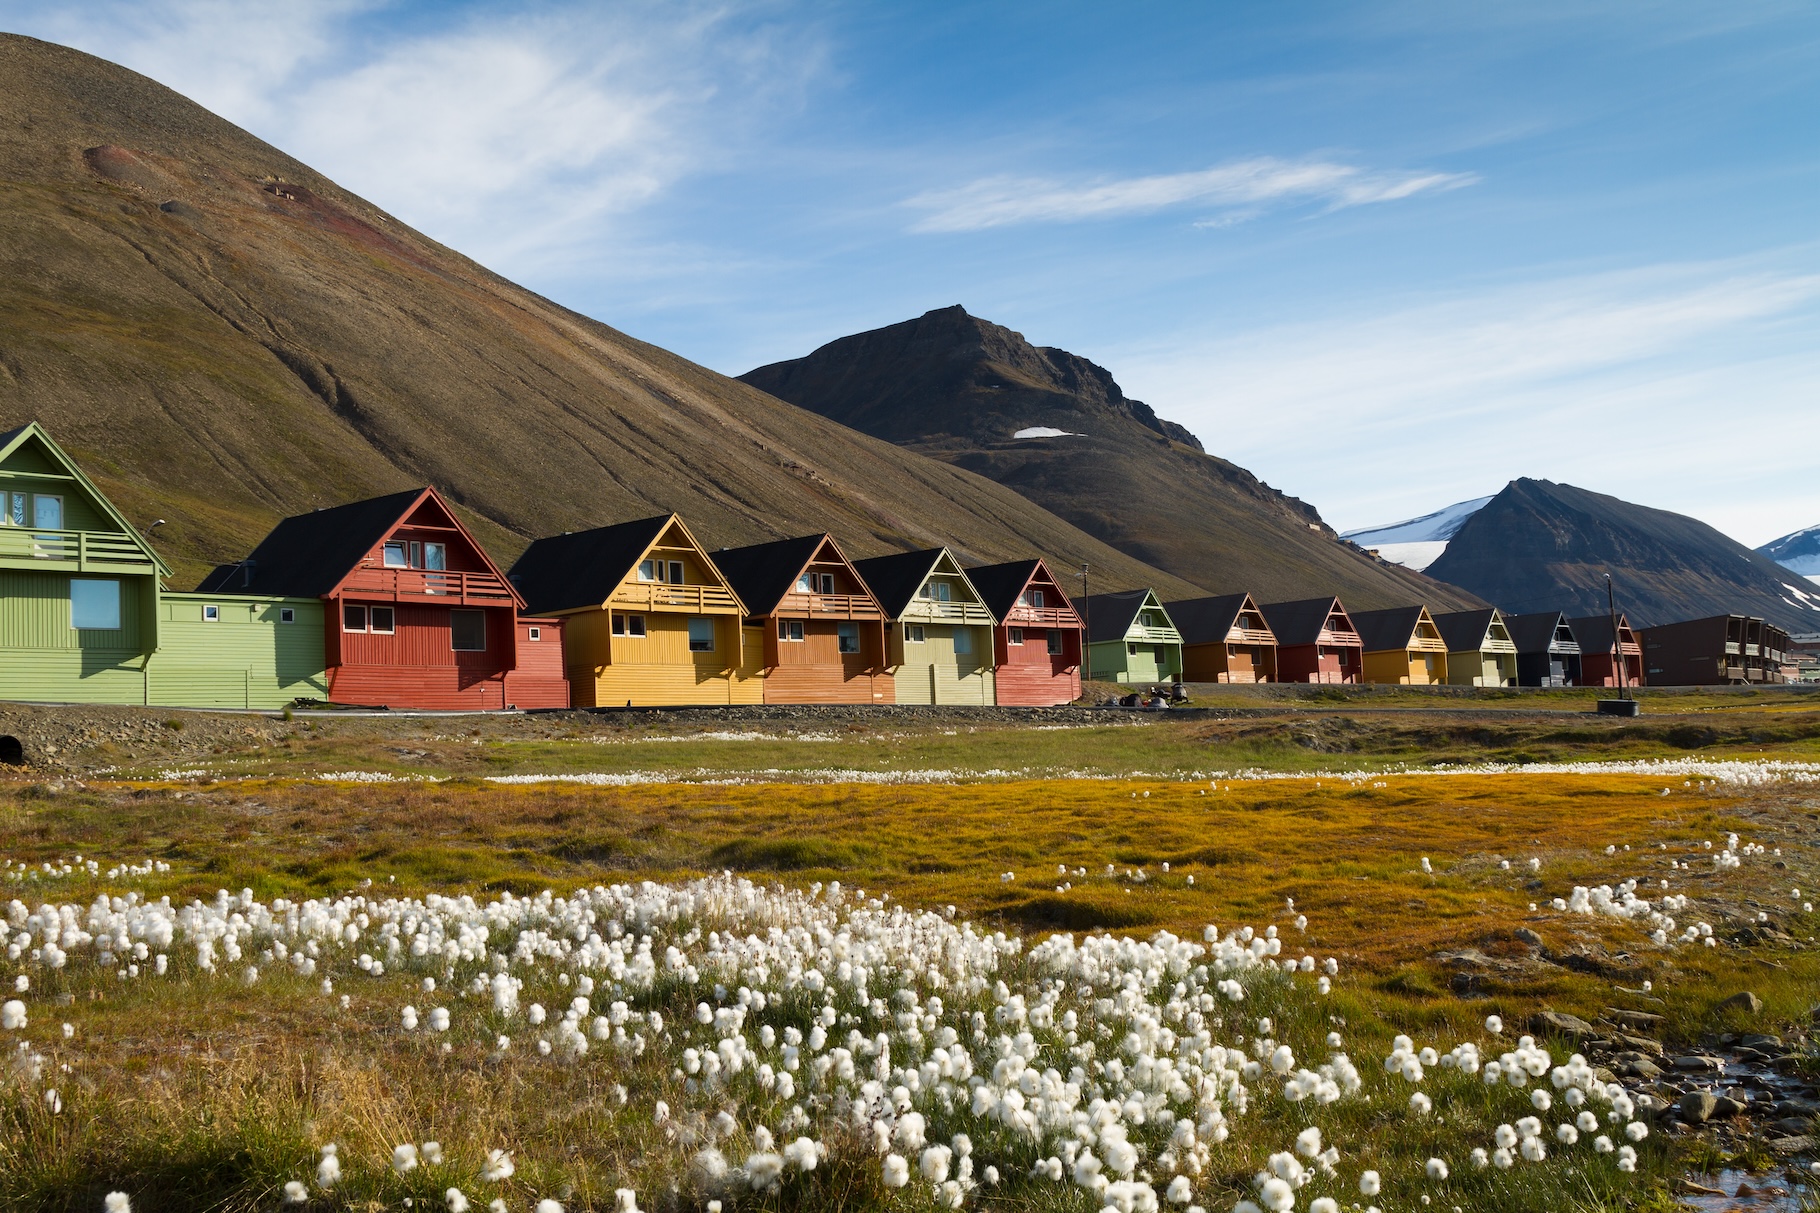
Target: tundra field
<point x="1308" y="956"/>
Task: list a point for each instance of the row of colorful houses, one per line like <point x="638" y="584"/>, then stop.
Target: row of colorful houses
<point x="392" y="602"/>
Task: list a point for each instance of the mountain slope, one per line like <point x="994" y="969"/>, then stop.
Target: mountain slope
<point x="1417" y="543"/>
<point x="223" y="337"/>
<point x="960" y="388"/>
<point x="1543" y="546"/>
<point x="1799" y="552"/>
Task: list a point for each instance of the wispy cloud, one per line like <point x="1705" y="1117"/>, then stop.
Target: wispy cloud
<point x="1616" y="381"/>
<point x="1003" y="200"/>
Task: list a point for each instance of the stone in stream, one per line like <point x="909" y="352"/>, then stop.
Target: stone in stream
<point x="1802" y="1144"/>
<point x="1697" y="1107"/>
<point x="1699" y="1063"/>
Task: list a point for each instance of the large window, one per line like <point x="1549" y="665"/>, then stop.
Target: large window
<point x="849" y="637"/>
<point x="940" y="591"/>
<point x="963" y="641"/>
<point x="701" y="634"/>
<point x="467" y="631"/>
<point x="1055" y="643"/>
<point x="410" y="554"/>
<point x="94" y="604"/>
<point x="661" y="570"/>
<point x="47" y="511"/>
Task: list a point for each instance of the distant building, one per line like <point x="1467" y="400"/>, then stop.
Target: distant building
<point x="1316" y="641"/>
<point x="1607" y="660"/>
<point x="1480" y="651"/>
<point x="941" y="638"/>
<point x="1548" y="654"/>
<point x="1719" y="650"/>
<point x="1131" y="638"/>
<point x="1403" y="647"/>
<point x="1225" y="639"/>
<point x="1038" y="642"/>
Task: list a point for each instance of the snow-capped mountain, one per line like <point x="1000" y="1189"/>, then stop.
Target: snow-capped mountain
<point x="1798" y="553"/>
<point x="1417" y="543"/>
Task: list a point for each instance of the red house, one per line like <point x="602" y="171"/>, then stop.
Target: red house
<point x="417" y="616"/>
<point x="1037" y="640"/>
<point x="1316" y="641"/>
<point x="1605" y="660"/>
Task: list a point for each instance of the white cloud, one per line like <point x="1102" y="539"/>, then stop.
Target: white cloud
<point x="1684" y="387"/>
<point x="1002" y="200"/>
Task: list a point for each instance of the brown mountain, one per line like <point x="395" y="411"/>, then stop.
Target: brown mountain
<point x="958" y="388"/>
<point x="1542" y="546"/>
<point x="223" y="337"/>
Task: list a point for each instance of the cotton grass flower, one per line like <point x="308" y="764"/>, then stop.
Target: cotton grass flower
<point x="12" y="1015"/>
<point x="1436" y="1169"/>
<point x="117" y="1202"/>
<point x="328" y="1169"/>
<point x="546" y="1205"/>
<point x="896" y="1171"/>
<point x="1370" y="1184"/>
<point x="457" y="1202"/>
<point x="295" y="1193"/>
<point x="498" y="1168"/>
<point x="404" y="1158"/>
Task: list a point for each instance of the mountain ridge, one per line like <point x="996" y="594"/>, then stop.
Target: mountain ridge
<point x="224" y="336"/>
<point x="959" y="388"/>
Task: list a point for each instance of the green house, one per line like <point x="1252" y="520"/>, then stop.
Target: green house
<point x="1130" y="638"/>
<point x="85" y="618"/>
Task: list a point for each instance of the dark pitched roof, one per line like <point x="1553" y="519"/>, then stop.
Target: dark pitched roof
<point x="1594" y="632"/>
<point x="307" y="555"/>
<point x="1301" y="621"/>
<point x="1535" y="632"/>
<point x="762" y="573"/>
<point x="1000" y="584"/>
<point x="1387" y="629"/>
<point x="1464" y="631"/>
<point x="1206" y="620"/>
<point x="582" y="568"/>
<point x="895" y="579"/>
<point x="7" y="436"/>
<point x="1110" y="616"/>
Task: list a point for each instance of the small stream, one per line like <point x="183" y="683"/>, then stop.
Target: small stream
<point x="1744" y="1192"/>
<point x="1775" y="1104"/>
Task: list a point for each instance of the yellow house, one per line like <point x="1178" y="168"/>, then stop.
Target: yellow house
<point x="648" y="620"/>
<point x="941" y="636"/>
<point x="1480" y="651"/>
<point x="1402" y="646"/>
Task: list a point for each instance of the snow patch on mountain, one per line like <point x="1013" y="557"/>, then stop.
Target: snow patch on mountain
<point x="1416" y="543"/>
<point x="1798" y="552"/>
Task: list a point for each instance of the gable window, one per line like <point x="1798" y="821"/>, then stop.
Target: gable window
<point x="396" y="555"/>
<point x="353" y="618"/>
<point x="1016" y="636"/>
<point x="628" y="625"/>
<point x="47" y="511"/>
<point x="467" y="630"/>
<point x="963" y="641"/>
<point x="913" y="633"/>
<point x="15" y="509"/>
<point x="789" y="629"/>
<point x="410" y="554"/>
<point x="94" y="604"/>
<point x="701" y="634"/>
<point x="1055" y="644"/>
<point x="849" y="637"/>
<point x="1033" y="598"/>
<point x="648" y="570"/>
<point x="827" y="583"/>
<point x="534" y="633"/>
<point x="676" y="572"/>
<point x="287" y="614"/>
<point x="805" y="583"/>
<point x="383" y="620"/>
<point x="211" y="614"/>
<point x="436" y="556"/>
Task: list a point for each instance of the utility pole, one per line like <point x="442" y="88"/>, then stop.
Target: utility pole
<point x="1617" y="646"/>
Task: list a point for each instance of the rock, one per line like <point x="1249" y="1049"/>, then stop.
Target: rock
<point x="1644" y="1020"/>
<point x="1744" y="1001"/>
<point x="1726" y="1108"/>
<point x="1698" y="1063"/>
<point x="1697" y="1107"/>
<point x="1525" y="935"/>
<point x="1635" y="1065"/>
<point x="1760" y="1040"/>
<point x="1793" y="1126"/>
<point x="1792" y="1145"/>
<point x="1688" y="1187"/>
<point x="1561" y="1024"/>
<point x="1644" y="1044"/>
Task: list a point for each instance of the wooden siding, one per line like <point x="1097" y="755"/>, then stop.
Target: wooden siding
<point x="417" y="665"/>
<point x="1407" y="667"/>
<point x="1320" y="663"/>
<point x="657" y="669"/>
<point x="539" y="680"/>
<point x="248" y="658"/>
<point x="1229" y="662"/>
<point x="932" y="672"/>
<point x="71" y="676"/>
<point x="814" y="670"/>
<point x="1028" y="674"/>
<point x="43" y="658"/>
<point x="1154" y="661"/>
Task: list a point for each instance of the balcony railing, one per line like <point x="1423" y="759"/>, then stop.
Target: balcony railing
<point x="832" y="606"/>
<point x="1043" y="616"/>
<point x="73" y="551"/>
<point x="1144" y="635"/>
<point x="937" y="611"/>
<point x="662" y="596"/>
<point x="1250" y="636"/>
<point x="429" y="585"/>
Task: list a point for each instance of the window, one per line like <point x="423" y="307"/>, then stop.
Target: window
<point x="805" y="584"/>
<point x="647" y="570"/>
<point x="436" y="556"/>
<point x="701" y="634"/>
<point x="963" y="641"/>
<point x="287" y="614"/>
<point x="1055" y="644"/>
<point x="94" y="604"/>
<point x="1131" y="650"/>
<point x="789" y="629"/>
<point x="535" y="633"/>
<point x="628" y="625"/>
<point x="15" y="509"/>
<point x="353" y="618"/>
<point x="849" y="637"/>
<point x="1033" y="598"/>
<point x="467" y="630"/>
<point x="211" y="614"/>
<point x="1232" y="650"/>
<point x="1016" y="636"/>
<point x="383" y="620"/>
<point x="913" y="633"/>
<point x="396" y="555"/>
<point x="827" y="583"/>
<point x="939" y="591"/>
<point x="676" y="572"/>
<point x="47" y="511"/>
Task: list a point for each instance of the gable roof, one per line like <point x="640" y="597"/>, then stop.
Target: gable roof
<point x="760" y="574"/>
<point x="1465" y="631"/>
<point x="1535" y="632"/>
<point x="1301" y="621"/>
<point x="1000" y="585"/>
<point x="1391" y="628"/>
<point x="582" y="568"/>
<point x="1594" y="632"/>
<point x="895" y="579"/>
<point x="17" y="437"/>
<point x="308" y="555"/>
<point x="1110" y="616"/>
<point x="1208" y="620"/>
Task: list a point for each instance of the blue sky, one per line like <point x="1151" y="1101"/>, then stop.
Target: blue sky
<point x="1388" y="256"/>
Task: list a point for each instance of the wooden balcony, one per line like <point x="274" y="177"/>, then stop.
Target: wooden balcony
<point x="1042" y="617"/>
<point x="72" y="551"/>
<point x="829" y="606"/>
<point x="428" y="585"/>
<point x="1139" y="634"/>
<point x="1250" y="636"/>
<point x="662" y="596"/>
<point x="932" y="610"/>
